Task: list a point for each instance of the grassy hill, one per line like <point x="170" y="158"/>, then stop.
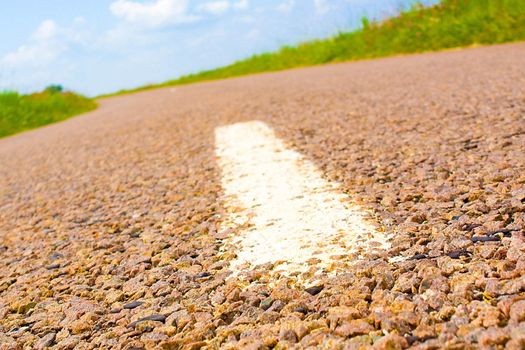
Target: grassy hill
<point x="450" y="24"/>
<point x="22" y="112"/>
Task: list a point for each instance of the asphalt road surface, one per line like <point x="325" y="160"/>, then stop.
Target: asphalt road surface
<point x="118" y="231"/>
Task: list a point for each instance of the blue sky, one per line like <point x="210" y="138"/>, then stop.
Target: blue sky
<point x="100" y="46"/>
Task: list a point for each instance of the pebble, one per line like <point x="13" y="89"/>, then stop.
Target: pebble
<point x="300" y="310"/>
<point x="493" y="336"/>
<point x="353" y="328"/>
<point x="53" y="266"/>
<point x="314" y="290"/>
<point x="418" y="257"/>
<point x="56" y="256"/>
<point x="45" y="342"/>
<point x="266" y="303"/>
<point x="517" y="312"/>
<point x="457" y="254"/>
<point x="155" y="317"/>
<point x="203" y="275"/>
<point x="485" y="239"/>
<point x="132" y="305"/>
<point x="391" y="342"/>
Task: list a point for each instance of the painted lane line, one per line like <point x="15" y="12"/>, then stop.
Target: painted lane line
<point x="287" y="212"/>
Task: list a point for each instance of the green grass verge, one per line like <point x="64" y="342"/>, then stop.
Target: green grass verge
<point x="22" y="112"/>
<point x="450" y="24"/>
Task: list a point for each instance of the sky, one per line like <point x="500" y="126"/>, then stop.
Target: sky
<point x="101" y="46"/>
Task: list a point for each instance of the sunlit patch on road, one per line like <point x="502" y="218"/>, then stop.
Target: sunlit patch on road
<point x="287" y="213"/>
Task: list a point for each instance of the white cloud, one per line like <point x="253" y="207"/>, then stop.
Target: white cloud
<point x="286" y="6"/>
<point x="46" y="30"/>
<point x="215" y="7"/>
<point x="241" y="5"/>
<point x="45" y="56"/>
<point x="253" y="34"/>
<point x="322" y="6"/>
<point x="34" y="55"/>
<point x="218" y="7"/>
<point x="153" y="13"/>
<point x="46" y="44"/>
<point x="79" y="20"/>
<point x="246" y="19"/>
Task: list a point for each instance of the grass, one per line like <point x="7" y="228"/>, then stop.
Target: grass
<point x="22" y="112"/>
<point x="449" y="24"/>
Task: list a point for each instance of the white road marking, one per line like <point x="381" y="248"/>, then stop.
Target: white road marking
<point x="287" y="212"/>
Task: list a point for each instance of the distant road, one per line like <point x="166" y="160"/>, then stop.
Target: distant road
<point x="406" y="174"/>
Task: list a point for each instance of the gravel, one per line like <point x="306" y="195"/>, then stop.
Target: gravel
<point x="125" y="204"/>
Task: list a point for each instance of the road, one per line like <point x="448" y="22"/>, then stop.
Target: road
<point x="113" y="231"/>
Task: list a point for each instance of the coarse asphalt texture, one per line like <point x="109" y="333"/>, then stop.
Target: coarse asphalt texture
<point x="109" y="222"/>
